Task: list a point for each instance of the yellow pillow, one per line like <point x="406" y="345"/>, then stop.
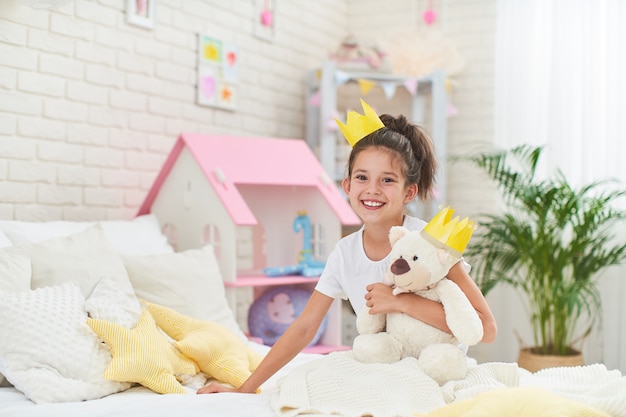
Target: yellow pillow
<point x="219" y="353"/>
<point x="143" y="355"/>
<point x="517" y="402"/>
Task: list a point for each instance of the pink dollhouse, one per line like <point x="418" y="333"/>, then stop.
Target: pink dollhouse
<point x="241" y="194"/>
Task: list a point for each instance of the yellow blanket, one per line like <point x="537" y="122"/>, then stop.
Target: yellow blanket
<point x="517" y="402"/>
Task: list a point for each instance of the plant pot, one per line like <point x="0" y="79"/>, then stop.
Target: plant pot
<point x="534" y="361"/>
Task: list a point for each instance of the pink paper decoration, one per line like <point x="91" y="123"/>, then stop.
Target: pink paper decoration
<point x="266" y="18"/>
<point x="231" y="58"/>
<point x="411" y="85"/>
<point x="429" y="16"/>
<point x="208" y="86"/>
<point x="315" y="99"/>
<point x="451" y="111"/>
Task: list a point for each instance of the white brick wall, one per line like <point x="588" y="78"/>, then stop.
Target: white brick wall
<point x="472" y="26"/>
<point x="82" y="90"/>
<point x="90" y="105"/>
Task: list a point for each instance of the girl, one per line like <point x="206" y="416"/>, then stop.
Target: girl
<point x="387" y="169"/>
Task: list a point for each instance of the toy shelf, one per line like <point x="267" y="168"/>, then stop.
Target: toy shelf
<point x="258" y="282"/>
<point x="264" y="281"/>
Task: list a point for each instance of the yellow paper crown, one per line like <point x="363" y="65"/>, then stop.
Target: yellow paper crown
<point x="450" y="234"/>
<point x="358" y="126"/>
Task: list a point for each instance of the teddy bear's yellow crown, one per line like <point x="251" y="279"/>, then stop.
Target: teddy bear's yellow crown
<point x="451" y="234"/>
<point x="358" y="126"/>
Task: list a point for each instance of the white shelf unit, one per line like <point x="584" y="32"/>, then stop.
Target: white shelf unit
<point x="339" y="91"/>
<point x="242" y="292"/>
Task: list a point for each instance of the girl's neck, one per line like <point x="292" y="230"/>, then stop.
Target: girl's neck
<point x="376" y="240"/>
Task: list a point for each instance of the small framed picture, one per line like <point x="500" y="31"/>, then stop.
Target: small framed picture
<point x="218" y="75"/>
<point x="140" y="12"/>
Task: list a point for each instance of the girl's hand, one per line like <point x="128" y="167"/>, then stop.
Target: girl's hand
<point x="380" y="299"/>
<point x="215" y="387"/>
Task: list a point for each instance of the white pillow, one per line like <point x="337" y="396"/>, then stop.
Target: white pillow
<point x="22" y="233"/>
<point x="139" y="236"/>
<point x="83" y="258"/>
<point x="47" y="351"/>
<point x="14" y="272"/>
<point x="107" y="302"/>
<point x="4" y="240"/>
<point x="14" y="276"/>
<point x="188" y="282"/>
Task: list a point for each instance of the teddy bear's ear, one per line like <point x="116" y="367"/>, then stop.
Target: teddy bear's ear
<point x="446" y="258"/>
<point x="396" y="232"/>
<point x="443" y="256"/>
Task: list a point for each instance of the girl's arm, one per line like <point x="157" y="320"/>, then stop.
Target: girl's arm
<point x="380" y="300"/>
<point x="297" y="336"/>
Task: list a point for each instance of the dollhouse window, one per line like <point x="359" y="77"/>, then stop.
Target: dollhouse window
<point x="318" y="241"/>
<point x="211" y="236"/>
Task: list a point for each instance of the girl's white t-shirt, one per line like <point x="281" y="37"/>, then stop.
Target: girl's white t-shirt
<point x="349" y="271"/>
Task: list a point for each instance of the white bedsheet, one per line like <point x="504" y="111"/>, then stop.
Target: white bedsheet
<point x="141" y="402"/>
<point x="592" y="384"/>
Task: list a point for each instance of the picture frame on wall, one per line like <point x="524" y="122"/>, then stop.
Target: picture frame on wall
<point x="140" y="13"/>
<point x="218" y="74"/>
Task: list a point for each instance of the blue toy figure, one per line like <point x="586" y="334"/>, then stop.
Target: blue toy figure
<point x="272" y="312"/>
<point x="307" y="266"/>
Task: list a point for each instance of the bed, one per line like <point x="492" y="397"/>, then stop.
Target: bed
<point x="62" y="283"/>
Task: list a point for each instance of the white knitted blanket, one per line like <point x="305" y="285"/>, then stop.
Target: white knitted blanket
<point x="338" y="385"/>
<point x="593" y="385"/>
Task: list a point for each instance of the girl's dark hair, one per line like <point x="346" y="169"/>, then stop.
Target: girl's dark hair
<point x="410" y="144"/>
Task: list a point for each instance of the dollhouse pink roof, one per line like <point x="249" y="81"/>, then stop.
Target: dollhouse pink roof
<point x="227" y="161"/>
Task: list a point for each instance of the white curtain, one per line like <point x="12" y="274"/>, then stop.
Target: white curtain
<point x="561" y="82"/>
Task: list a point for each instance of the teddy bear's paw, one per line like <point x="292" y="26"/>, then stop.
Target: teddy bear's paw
<point x="367" y="323"/>
<point x="470" y="333"/>
<point x="443" y="362"/>
<point x="376" y="348"/>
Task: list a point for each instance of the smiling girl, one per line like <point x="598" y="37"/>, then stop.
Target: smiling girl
<point x="387" y="168"/>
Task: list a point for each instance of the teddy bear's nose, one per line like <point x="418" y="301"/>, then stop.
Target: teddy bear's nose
<point x="400" y="266"/>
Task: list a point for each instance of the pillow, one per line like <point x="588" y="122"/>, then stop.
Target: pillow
<point x="188" y="282"/>
<point x="54" y="357"/>
<point x="14" y="276"/>
<point x="219" y="353"/>
<point x="139" y="236"/>
<point x="4" y="240"/>
<point x="14" y="272"/>
<point x="83" y="258"/>
<point x="517" y="402"/>
<point x="108" y="302"/>
<point x="143" y="355"/>
<point x="22" y="233"/>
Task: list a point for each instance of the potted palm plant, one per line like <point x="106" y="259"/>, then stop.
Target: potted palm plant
<point x="550" y="242"/>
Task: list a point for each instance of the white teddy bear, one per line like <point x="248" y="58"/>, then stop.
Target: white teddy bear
<point x="419" y="263"/>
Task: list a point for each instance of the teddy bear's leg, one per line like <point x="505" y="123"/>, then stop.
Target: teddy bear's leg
<point x="443" y="362"/>
<point x="376" y="348"/>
